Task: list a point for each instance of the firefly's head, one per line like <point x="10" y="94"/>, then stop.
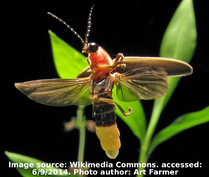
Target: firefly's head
<point x="90" y="48"/>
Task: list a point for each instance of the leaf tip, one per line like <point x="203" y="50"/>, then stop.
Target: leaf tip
<point x="7" y="153"/>
<point x="50" y="32"/>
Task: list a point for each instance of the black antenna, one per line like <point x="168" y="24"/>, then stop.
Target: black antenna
<point x="89" y="25"/>
<point x="68" y="26"/>
<point x="85" y="43"/>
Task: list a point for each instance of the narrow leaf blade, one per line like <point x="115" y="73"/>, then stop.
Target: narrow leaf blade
<point x="180" y="124"/>
<point x="179" y="42"/>
<point x="31" y="172"/>
<point x="68" y="61"/>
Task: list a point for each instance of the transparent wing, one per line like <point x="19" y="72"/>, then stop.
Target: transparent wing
<point x="173" y="67"/>
<point x="57" y="92"/>
<point x="141" y="84"/>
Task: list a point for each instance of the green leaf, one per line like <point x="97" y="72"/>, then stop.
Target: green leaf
<point x="31" y="172"/>
<point x="180" y="124"/>
<point x="136" y="120"/>
<point x="179" y="42"/>
<point x="68" y="61"/>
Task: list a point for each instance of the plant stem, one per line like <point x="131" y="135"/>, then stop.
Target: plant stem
<point x="81" y="120"/>
<point x="157" y="109"/>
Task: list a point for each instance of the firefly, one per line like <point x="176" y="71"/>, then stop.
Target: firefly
<point x="135" y="78"/>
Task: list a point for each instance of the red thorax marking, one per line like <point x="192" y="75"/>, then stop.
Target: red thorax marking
<point x="98" y="59"/>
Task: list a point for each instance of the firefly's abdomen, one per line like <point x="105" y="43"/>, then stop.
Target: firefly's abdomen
<point x="105" y="117"/>
<point x="109" y="139"/>
<point x="107" y="130"/>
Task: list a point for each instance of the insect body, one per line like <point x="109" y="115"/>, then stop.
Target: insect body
<point x="104" y="113"/>
<point x="135" y="78"/>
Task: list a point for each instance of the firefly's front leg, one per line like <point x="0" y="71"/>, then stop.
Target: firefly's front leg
<point x="118" y="58"/>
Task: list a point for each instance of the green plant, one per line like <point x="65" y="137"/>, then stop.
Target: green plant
<point x="178" y="42"/>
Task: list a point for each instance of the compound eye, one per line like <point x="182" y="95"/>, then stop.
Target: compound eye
<point x="93" y="47"/>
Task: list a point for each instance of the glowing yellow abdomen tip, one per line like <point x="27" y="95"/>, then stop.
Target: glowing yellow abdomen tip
<point x="109" y="139"/>
<point x="112" y="154"/>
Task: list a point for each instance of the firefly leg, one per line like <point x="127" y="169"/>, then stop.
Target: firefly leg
<point x="118" y="58"/>
<point x="122" y="110"/>
<point x="107" y="100"/>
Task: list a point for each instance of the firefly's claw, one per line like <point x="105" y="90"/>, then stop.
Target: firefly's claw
<point x="122" y="110"/>
<point x="107" y="100"/>
<point x="118" y="58"/>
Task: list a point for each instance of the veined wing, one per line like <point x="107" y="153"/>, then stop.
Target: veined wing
<point x="57" y="92"/>
<point x="141" y="84"/>
<point x="173" y="67"/>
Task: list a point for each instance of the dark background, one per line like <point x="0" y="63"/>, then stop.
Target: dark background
<point x="133" y="27"/>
